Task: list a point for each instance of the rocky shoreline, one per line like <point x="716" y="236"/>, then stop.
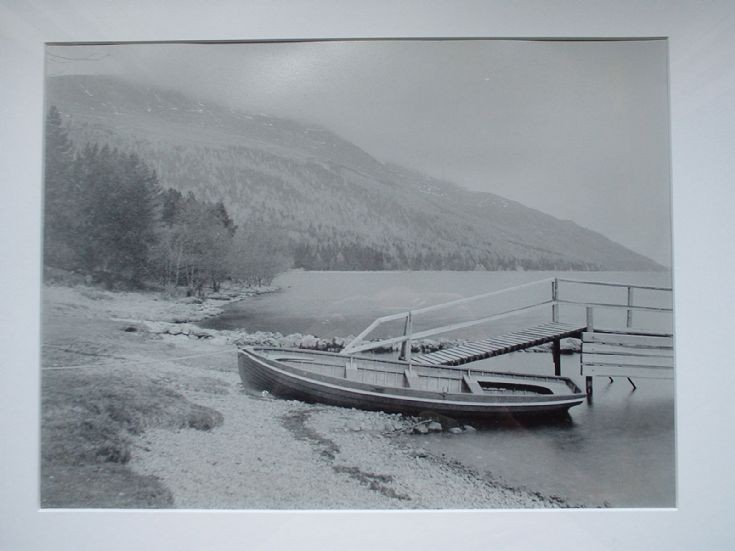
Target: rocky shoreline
<point x="260" y="452"/>
<point x="186" y="325"/>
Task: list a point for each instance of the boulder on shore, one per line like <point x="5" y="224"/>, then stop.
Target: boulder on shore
<point x="421" y="429"/>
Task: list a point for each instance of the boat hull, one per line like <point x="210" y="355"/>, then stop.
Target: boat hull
<point x="264" y="369"/>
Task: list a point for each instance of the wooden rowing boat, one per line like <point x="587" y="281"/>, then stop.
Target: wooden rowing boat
<point x="372" y="383"/>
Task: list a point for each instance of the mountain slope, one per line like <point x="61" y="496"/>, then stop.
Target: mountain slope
<point x="339" y="207"/>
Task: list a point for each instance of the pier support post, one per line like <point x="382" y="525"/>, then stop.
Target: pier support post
<point x="557" y="357"/>
<point x="629" y="316"/>
<point x="590" y="329"/>
<point x="590" y="319"/>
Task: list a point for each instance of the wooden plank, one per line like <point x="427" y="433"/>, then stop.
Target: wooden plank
<point x="494" y="345"/>
<point x="633" y="372"/>
<point x="351" y="372"/>
<point x="411" y="379"/>
<point x="498" y="345"/>
<point x="435" y="358"/>
<point x="628" y="340"/>
<point x="453" y="353"/>
<point x="478" y="349"/>
<point x="637" y="361"/>
<point x="493" y="351"/>
<point x="540" y="339"/>
<point x="546" y="334"/>
<point x="530" y="342"/>
<point x="505" y="340"/>
<point x="472" y="384"/>
<point x="426" y="359"/>
<point x="634" y="331"/>
<point x="447" y="353"/>
<point x="553" y="331"/>
<point x="532" y="334"/>
<point x="450" y="353"/>
<point x="505" y="347"/>
<point x="517" y="338"/>
<point x="462" y="354"/>
<point x="454" y="361"/>
<point x="472" y="354"/>
<point x="442" y="355"/>
<point x="485" y="344"/>
<point x="540" y="331"/>
<point x="589" y="348"/>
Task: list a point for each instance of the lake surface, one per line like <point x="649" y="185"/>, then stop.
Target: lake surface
<point x="328" y="304"/>
<point x="618" y="450"/>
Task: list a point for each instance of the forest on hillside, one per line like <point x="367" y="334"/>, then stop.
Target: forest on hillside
<point x="317" y="200"/>
<point x="107" y="217"/>
<point x="334" y="218"/>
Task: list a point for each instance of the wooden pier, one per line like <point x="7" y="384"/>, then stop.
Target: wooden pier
<point x="622" y="350"/>
<point x="503" y="344"/>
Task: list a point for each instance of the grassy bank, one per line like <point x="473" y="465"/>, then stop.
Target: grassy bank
<point x="89" y="425"/>
<point x="99" y="393"/>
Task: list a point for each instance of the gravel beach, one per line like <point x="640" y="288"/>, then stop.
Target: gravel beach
<point x="267" y="453"/>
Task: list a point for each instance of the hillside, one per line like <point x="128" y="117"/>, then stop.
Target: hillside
<point x="339" y="207"/>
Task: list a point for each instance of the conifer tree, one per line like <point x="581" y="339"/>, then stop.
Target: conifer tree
<point x="60" y="197"/>
<point x="117" y="214"/>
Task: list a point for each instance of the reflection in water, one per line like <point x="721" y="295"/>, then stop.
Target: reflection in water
<point x="617" y="450"/>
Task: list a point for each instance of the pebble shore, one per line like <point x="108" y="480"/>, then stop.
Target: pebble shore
<point x="269" y="453"/>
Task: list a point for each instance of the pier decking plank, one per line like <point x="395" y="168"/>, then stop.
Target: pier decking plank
<point x="502" y="344"/>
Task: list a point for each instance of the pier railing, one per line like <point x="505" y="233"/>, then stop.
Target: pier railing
<point x="555" y="300"/>
<point x="629" y="306"/>
<point x="633" y="351"/>
<point x="358" y="344"/>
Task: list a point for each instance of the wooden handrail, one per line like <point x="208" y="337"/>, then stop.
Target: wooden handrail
<point x="353" y="345"/>
<point x="619" y="306"/>
<point x="477" y="297"/>
<point x="611" y="284"/>
<point x="438" y="330"/>
<point x="356" y="346"/>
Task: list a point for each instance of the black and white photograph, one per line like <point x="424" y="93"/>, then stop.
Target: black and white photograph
<point x="366" y="275"/>
<point x="358" y="274"/>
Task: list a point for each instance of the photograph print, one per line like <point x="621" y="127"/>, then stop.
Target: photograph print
<point x="357" y="274"/>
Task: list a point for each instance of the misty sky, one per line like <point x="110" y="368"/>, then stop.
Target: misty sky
<point x="576" y="129"/>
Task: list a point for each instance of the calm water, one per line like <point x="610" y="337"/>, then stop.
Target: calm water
<point x="618" y="450"/>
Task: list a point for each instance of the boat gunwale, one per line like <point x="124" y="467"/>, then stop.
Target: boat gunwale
<point x="483" y="402"/>
<point x="458" y="369"/>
